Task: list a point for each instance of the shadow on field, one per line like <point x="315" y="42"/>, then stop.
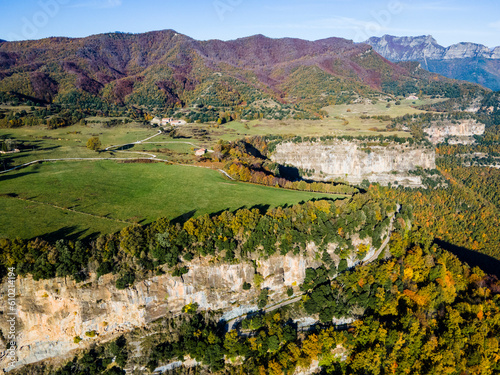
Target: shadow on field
<point x="124" y="147"/>
<point x="12" y="176"/>
<point x="181" y="219"/>
<point x="91" y="237"/>
<point x="38" y="145"/>
<point x="488" y="264"/>
<point x="263" y="208"/>
<point x="69" y="233"/>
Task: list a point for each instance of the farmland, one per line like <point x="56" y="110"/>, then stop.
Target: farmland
<point x="35" y="200"/>
<point x="81" y="198"/>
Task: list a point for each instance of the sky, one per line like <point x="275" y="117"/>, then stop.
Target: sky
<point x="449" y="21"/>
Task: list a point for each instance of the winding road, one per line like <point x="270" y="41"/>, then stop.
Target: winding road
<point x="116" y="148"/>
<point x="232" y="322"/>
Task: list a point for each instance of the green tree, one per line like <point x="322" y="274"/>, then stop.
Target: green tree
<point x="263" y="298"/>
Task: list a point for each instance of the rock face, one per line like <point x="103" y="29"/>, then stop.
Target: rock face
<point x="467" y="50"/>
<point x="495" y="54"/>
<point x="409" y="48"/>
<point x="351" y="161"/>
<point x="51" y="313"/>
<point x="461" y="133"/>
<point x="466" y="61"/>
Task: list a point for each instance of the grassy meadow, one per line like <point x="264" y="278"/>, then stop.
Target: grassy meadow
<point x="342" y="120"/>
<point x="34" y="199"/>
<point x="77" y="199"/>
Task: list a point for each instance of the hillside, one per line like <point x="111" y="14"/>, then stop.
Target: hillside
<point x="320" y="210"/>
<point x="465" y="61"/>
<point x="164" y="69"/>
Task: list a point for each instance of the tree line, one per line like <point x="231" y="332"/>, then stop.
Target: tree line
<point x="167" y="246"/>
<point x="420" y="311"/>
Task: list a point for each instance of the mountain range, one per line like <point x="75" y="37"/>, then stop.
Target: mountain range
<point x="465" y="61"/>
<point x="164" y="69"/>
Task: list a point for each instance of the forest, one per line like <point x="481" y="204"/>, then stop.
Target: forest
<point x="416" y="309"/>
<point x="138" y="252"/>
<point x="420" y="311"/>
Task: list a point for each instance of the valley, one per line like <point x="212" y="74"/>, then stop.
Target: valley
<point x="258" y="206"/>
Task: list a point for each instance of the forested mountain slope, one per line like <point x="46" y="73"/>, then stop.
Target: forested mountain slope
<point x="163" y="69"/>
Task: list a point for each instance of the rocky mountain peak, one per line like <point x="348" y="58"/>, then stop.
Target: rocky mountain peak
<point x="495" y="53"/>
<point x="465" y="61"/>
<point x="419" y="48"/>
<point x="467" y="50"/>
<point x="406" y="48"/>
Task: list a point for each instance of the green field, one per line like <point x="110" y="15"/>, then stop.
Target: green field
<point x="70" y="142"/>
<point x="78" y="199"/>
<point x="119" y="194"/>
<point x="335" y="124"/>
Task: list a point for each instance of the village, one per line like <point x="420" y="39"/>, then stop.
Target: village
<point x="167" y="121"/>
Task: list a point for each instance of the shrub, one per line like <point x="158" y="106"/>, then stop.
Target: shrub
<point x="93" y="143"/>
<point x="91" y="333"/>
<point x="125" y="281"/>
<point x="263" y="298"/>
<point x="180" y="271"/>
<point x="190" y="308"/>
<point x="257" y="280"/>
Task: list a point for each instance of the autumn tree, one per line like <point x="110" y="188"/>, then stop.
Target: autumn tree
<point x="94" y="143"/>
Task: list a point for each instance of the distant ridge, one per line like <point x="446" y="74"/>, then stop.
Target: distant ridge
<point x="466" y="61"/>
<point x="162" y="69"/>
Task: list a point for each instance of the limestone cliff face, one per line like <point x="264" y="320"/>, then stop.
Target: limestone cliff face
<point x="351" y="161"/>
<point x="460" y="133"/>
<point x="418" y="48"/>
<point x="407" y="48"/>
<point x="52" y="312"/>
<point x="495" y="54"/>
<point x="464" y="61"/>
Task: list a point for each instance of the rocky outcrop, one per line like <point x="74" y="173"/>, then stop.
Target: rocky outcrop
<point x="417" y="48"/>
<point x="407" y="48"/>
<point x="51" y="313"/>
<point x="354" y="162"/>
<point x="456" y="133"/>
<point x="467" y="50"/>
<point x="495" y="53"/>
<point x="465" y="61"/>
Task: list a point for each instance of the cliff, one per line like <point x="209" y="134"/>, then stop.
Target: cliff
<point x="351" y="161"/>
<point x="51" y="313"/>
<point x="465" y="61"/>
<point x="457" y="133"/>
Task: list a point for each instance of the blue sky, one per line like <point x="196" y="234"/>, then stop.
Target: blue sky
<point x="449" y="21"/>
